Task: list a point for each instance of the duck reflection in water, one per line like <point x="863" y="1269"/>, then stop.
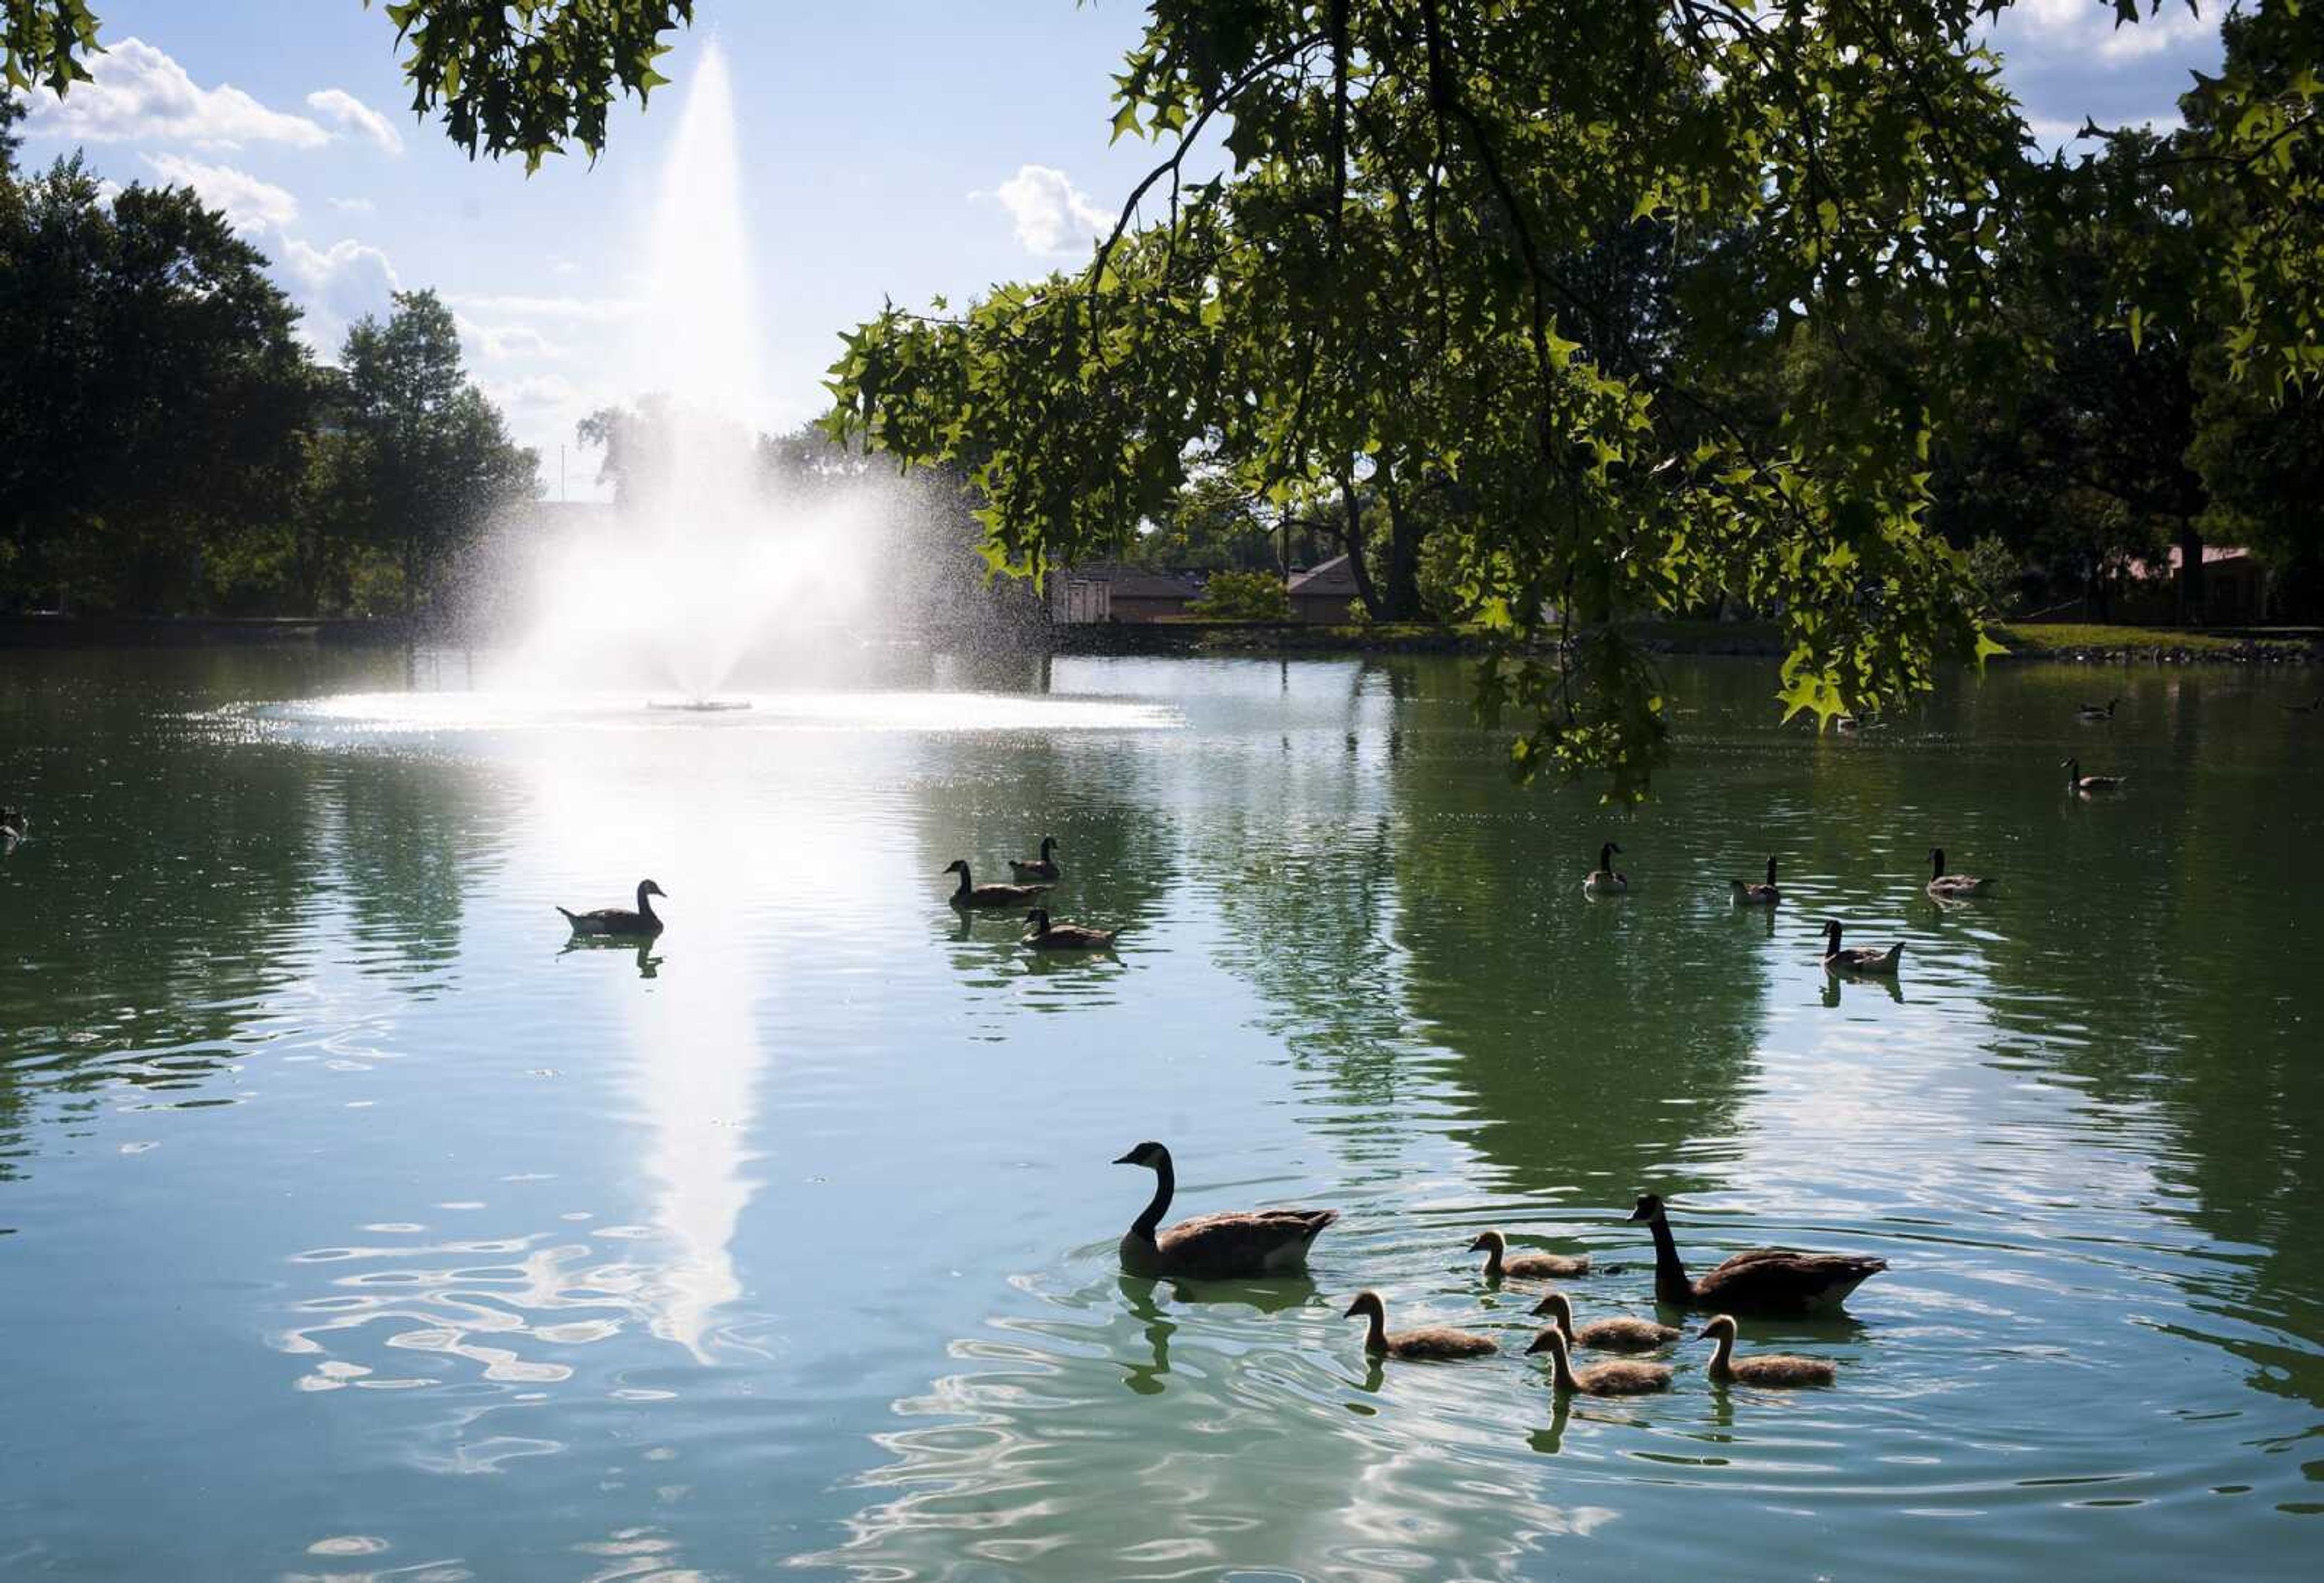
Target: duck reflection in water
<point x="646" y="952"/>
<point x="1140" y="1293"/>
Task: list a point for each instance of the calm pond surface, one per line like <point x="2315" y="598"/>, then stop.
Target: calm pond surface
<point x="351" y="1228"/>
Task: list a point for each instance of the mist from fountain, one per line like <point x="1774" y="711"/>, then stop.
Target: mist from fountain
<point x="701" y="565"/>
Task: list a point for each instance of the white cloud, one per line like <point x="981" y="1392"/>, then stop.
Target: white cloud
<point x="250" y="204"/>
<point x="501" y="342"/>
<point x="1051" y="216"/>
<point x="2083" y="30"/>
<point x="2066" y="61"/>
<point x="353" y="206"/>
<point x="339" y="105"/>
<point x="597" y="310"/>
<point x="138" y="94"/>
<point x="336" y="285"/>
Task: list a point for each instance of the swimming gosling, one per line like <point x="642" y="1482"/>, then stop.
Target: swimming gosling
<point x="1428" y="1344"/>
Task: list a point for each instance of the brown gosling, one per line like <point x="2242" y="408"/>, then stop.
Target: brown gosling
<point x="1526" y="1266"/>
<point x="1769" y="1369"/>
<point x="1623" y="1334"/>
<point x="1430" y="1343"/>
<point x="1622" y="1377"/>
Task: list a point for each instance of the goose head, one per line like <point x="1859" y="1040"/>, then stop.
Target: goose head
<point x="1491" y="1242"/>
<point x="1041" y="922"/>
<point x="957" y="866"/>
<point x="648" y="887"/>
<point x="1649" y="1207"/>
<point x="1720" y="1328"/>
<point x="1936" y="862"/>
<point x="1150" y="1155"/>
<point x="1830" y="936"/>
<point x="1606" y="854"/>
<point x="1556" y="1306"/>
<point x="1551" y="1340"/>
<point x="1049" y="845"/>
<point x="1367" y="1304"/>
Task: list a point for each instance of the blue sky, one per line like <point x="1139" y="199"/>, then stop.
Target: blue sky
<point x="890" y="148"/>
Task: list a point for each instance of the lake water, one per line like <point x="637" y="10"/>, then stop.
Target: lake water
<point x="350" y="1227"/>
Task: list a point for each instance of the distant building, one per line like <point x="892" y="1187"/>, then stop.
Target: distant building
<point x="1107" y="592"/>
<point x="2235" y="587"/>
<point x="1324" y="595"/>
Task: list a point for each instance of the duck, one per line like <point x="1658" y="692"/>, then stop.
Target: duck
<point x="2077" y="781"/>
<point x="969" y="893"/>
<point x="1235" y="1245"/>
<point x="1044" y="866"/>
<point x="1769" y="1369"/>
<point x="1526" y="1266"/>
<point x="1622" y="1376"/>
<point x="1758" y="895"/>
<point x="614" y="920"/>
<point x="2095" y="712"/>
<point x="1857" y="959"/>
<point x="1620" y="1334"/>
<point x="1759" y="1280"/>
<point x="1605" y="879"/>
<point x="1947" y="887"/>
<point x="1044" y="935"/>
<point x="1428" y="1344"/>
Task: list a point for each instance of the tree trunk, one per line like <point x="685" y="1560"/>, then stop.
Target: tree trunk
<point x="2191" y="573"/>
<point x="1404" y="537"/>
<point x="1353" y="536"/>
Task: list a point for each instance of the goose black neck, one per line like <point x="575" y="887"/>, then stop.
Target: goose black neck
<point x="963" y="888"/>
<point x="1671" y="1282"/>
<point x="645" y="902"/>
<point x="1165" y="1183"/>
<point x="1606" y="859"/>
<point x="1936" y="863"/>
<point x="1771" y="871"/>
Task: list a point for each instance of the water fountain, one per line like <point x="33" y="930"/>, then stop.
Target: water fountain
<point x="702" y="566"/>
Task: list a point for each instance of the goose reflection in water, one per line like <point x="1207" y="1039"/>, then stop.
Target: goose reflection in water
<point x="1833" y="987"/>
<point x="647" y="958"/>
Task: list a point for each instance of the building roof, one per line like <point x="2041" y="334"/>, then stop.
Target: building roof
<point x="1131" y="583"/>
<point x="1335" y="579"/>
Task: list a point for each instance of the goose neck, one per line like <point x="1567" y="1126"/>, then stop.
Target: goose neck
<point x="1164" y="1184"/>
<point x="1670" y="1272"/>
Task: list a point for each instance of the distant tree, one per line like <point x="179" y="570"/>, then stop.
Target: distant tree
<point x="1213" y="524"/>
<point x="1244" y="597"/>
<point x="152" y="395"/>
<point x="434" y="460"/>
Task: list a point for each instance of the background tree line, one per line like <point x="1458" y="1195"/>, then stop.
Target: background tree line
<point x="169" y="445"/>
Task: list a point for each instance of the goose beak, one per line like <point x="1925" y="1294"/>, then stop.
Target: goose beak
<point x="1129" y="1159"/>
<point x="1705" y="1333"/>
<point x="1544" y="1305"/>
<point x="1639" y="1214"/>
<point x="1478" y="1245"/>
<point x="1542" y="1343"/>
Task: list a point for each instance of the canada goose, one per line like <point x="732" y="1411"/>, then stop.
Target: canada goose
<point x="1769" y="1369"/>
<point x="1526" y="1266"/>
<point x="2077" y="781"/>
<point x="1622" y="1334"/>
<point x="614" y="920"/>
<point x="1428" y="1342"/>
<point x="1622" y="1376"/>
<point x="1758" y="895"/>
<point x="1235" y="1245"/>
<point x="1947" y="887"/>
<point x="1605" y="879"/>
<point x="2095" y="712"/>
<point x="1857" y="959"/>
<point x="1759" y="1280"/>
<point x="1044" y="866"/>
<point x="1044" y="935"/>
<point x="968" y="893"/>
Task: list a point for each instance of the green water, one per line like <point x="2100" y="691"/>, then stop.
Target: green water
<point x="350" y="1227"/>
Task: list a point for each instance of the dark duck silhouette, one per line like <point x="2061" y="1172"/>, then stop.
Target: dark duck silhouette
<point x="621" y="921"/>
<point x="1759" y="1280"/>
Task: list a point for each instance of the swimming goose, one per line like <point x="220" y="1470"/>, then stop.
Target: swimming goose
<point x="1758" y="895"/>
<point x="2096" y="711"/>
<point x="1605" y="879"/>
<point x="1044" y="866"/>
<point x="1428" y="1343"/>
<point x="968" y="893"/>
<point x="1857" y="959"/>
<point x="1947" y="887"/>
<point x="1621" y="1377"/>
<point x="1044" y="935"/>
<point x="614" y="920"/>
<point x="1526" y="1266"/>
<point x="2077" y="781"/>
<point x="14" y="824"/>
<point x="1769" y="1369"/>
<point x="1759" y="1280"/>
<point x="1238" y="1244"/>
<point x="1621" y="1334"/>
